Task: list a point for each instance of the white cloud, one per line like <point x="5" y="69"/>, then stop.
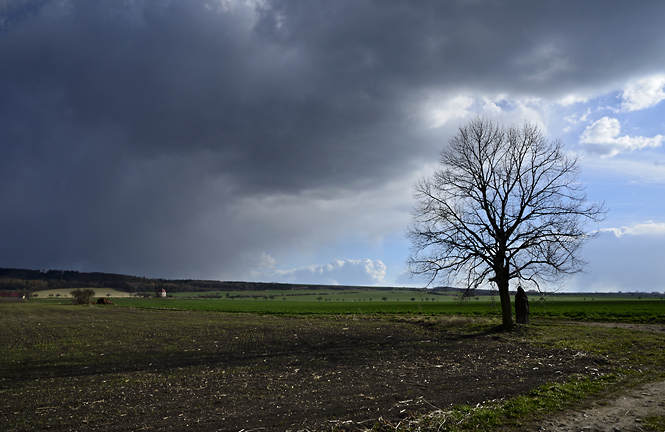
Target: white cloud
<point x="572" y="99"/>
<point x="576" y="118"/>
<point x="644" y="93"/>
<point x="643" y="229"/>
<point x="440" y="112"/>
<point x="604" y="138"/>
<point x="490" y="107"/>
<point x="616" y="231"/>
<point x="337" y="272"/>
<point x="260" y="261"/>
<point x="531" y="110"/>
<point x="647" y="228"/>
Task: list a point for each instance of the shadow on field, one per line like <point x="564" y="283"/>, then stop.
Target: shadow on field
<point x="234" y="372"/>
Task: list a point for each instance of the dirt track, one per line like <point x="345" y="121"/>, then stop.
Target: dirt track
<point x="622" y="414"/>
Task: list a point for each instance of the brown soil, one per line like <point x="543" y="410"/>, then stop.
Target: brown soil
<point x="625" y="413"/>
<point x="343" y="375"/>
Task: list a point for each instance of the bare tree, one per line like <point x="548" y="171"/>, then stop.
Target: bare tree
<point x="505" y="204"/>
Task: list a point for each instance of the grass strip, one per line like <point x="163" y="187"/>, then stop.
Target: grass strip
<point x="627" y="311"/>
<point x="654" y="423"/>
<point x="513" y="413"/>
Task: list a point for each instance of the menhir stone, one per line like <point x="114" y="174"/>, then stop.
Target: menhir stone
<point x="521" y="307"/>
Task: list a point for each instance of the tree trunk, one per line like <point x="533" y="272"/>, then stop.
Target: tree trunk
<point x="503" y="284"/>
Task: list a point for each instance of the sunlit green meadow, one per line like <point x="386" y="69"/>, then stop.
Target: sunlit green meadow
<point x="57" y="293"/>
<point x="396" y="301"/>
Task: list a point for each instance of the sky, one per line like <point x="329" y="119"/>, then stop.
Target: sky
<point x="280" y="141"/>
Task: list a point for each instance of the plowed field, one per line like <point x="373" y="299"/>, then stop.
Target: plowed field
<point x="106" y="368"/>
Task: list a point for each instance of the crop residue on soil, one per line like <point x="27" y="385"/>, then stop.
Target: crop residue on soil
<point x="110" y="369"/>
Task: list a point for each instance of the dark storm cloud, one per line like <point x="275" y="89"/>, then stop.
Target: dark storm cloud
<point x="130" y="129"/>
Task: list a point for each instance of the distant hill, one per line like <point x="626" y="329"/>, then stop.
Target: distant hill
<point x="28" y="281"/>
<point x="35" y="280"/>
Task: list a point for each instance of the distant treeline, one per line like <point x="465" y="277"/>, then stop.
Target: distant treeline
<point x="28" y="281"/>
<point x="36" y="280"/>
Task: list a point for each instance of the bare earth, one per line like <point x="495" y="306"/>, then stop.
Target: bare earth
<point x="623" y="414"/>
<point x="267" y="374"/>
<point x="97" y="369"/>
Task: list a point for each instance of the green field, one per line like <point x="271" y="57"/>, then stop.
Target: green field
<point x="65" y="293"/>
<point x="635" y="311"/>
<point x="365" y="301"/>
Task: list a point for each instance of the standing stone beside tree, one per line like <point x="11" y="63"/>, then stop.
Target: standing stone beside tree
<point x="506" y="204"/>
